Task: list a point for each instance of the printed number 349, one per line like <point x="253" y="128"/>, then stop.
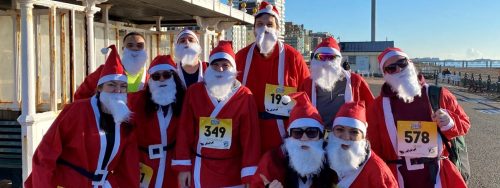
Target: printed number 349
<point x="215" y="131"/>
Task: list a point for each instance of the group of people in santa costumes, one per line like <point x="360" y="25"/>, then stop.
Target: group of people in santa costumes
<point x="257" y="118"/>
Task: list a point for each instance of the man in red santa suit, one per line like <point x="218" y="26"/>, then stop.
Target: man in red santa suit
<point x="90" y="144"/>
<point x="300" y="161"/>
<point x="187" y="53"/>
<point x="401" y="114"/>
<point x="218" y="135"/>
<point x="349" y="152"/>
<point x="155" y="112"/>
<point x="133" y="61"/>
<point x="270" y="70"/>
<point x="330" y="85"/>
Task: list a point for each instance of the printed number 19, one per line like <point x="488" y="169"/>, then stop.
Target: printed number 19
<point x="277" y="96"/>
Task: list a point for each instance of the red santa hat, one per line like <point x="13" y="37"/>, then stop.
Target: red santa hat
<point x="113" y="68"/>
<point x="328" y="46"/>
<point x="267" y="8"/>
<point x="303" y="114"/>
<point x="186" y="31"/>
<point x="387" y="54"/>
<point x="224" y="50"/>
<point x="162" y="62"/>
<point x="352" y="114"/>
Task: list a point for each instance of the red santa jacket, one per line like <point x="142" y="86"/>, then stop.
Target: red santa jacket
<point x="274" y="165"/>
<point x="373" y="173"/>
<point x="360" y="91"/>
<point x="156" y="148"/>
<point x="420" y="109"/>
<point x="218" y="167"/>
<point x="265" y="70"/>
<point x="74" y="138"/>
<point x="88" y="87"/>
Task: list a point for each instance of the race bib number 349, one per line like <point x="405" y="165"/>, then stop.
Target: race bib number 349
<point x="273" y="100"/>
<point x="417" y="139"/>
<point x="215" y="133"/>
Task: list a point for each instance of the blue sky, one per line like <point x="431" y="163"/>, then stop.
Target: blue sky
<point x="448" y="29"/>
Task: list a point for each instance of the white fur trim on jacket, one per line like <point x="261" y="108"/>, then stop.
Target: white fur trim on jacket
<point x="305" y="122"/>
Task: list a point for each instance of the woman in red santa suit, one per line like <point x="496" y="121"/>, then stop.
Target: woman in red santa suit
<point x="90" y="144"/>
<point x="218" y="135"/>
<point x="155" y="112"/>
<point x="349" y="152"/>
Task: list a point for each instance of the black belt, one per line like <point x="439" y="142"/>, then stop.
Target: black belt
<point x="212" y="158"/>
<point x="433" y="168"/>
<point x="413" y="161"/>
<point x="80" y="170"/>
<point x="266" y="115"/>
<point x="165" y="148"/>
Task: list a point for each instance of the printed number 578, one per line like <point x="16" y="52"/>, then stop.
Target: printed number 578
<point x="414" y="136"/>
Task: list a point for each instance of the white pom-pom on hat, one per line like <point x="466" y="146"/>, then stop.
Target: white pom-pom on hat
<point x="286" y="99"/>
<point x="105" y="50"/>
<point x="269" y="7"/>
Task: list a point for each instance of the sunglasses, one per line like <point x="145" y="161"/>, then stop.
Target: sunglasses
<point x="325" y="57"/>
<point x="158" y="76"/>
<point x="311" y="132"/>
<point x="393" y="68"/>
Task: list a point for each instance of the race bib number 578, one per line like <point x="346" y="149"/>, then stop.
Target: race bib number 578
<point x="417" y="139"/>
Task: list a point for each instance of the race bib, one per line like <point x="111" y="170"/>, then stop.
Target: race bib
<point x="215" y="133"/>
<point x="146" y="174"/>
<point x="417" y="139"/>
<point x="273" y="99"/>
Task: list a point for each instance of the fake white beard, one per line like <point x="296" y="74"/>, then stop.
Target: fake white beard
<point x="344" y="161"/>
<point x="326" y="74"/>
<point x="405" y="83"/>
<point x="116" y="103"/>
<point x="134" y="61"/>
<point x="187" y="54"/>
<point x="162" y="93"/>
<point x="219" y="84"/>
<point x="266" y="38"/>
<point x="306" y="162"/>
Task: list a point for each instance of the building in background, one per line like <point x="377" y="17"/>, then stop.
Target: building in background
<point x="308" y="47"/>
<point x="362" y="56"/>
<point x="295" y="35"/>
<point x="317" y="37"/>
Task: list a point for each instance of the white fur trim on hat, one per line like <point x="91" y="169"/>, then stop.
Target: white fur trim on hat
<point x="305" y="122"/>
<point x="222" y="55"/>
<point x="161" y="67"/>
<point x="389" y="55"/>
<point x="350" y="122"/>
<point x="328" y="50"/>
<point x="268" y="10"/>
<point x="110" y="77"/>
<point x="186" y="31"/>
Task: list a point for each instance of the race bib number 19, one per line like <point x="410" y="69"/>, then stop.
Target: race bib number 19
<point x="215" y="133"/>
<point x="273" y="100"/>
<point x="417" y="139"/>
